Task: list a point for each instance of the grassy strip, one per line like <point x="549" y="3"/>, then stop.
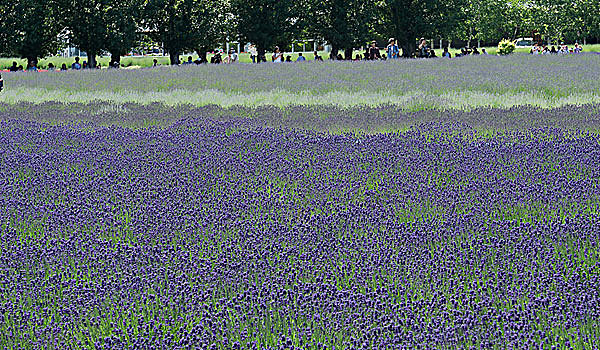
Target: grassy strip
<point x="410" y="101"/>
<point x="147" y="61"/>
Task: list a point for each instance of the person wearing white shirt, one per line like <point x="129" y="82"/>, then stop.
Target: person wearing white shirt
<point x="277" y="55"/>
<point x="253" y="53"/>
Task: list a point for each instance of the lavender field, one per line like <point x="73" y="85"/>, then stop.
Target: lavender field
<point x="150" y="225"/>
<point x="464" y="83"/>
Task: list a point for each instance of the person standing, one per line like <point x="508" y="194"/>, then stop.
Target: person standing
<point x="253" y="53"/>
<point x="374" y="51"/>
<point x="1" y="83"/>
<point x="392" y="50"/>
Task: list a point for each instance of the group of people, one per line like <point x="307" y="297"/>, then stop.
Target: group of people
<point x="392" y="51"/>
<point x="562" y="49"/>
<point x="32" y="66"/>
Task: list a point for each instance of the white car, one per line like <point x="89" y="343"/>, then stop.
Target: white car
<point x="524" y="42"/>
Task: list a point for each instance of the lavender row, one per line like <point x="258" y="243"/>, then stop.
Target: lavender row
<point x="548" y="76"/>
<point x="217" y="233"/>
<point x="385" y="118"/>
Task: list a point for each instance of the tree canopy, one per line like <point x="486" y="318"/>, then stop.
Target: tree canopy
<point x="37" y="28"/>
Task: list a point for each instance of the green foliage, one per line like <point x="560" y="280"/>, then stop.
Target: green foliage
<point x="186" y="25"/>
<point x="37" y="28"/>
<point x="408" y="20"/>
<point x="122" y="19"/>
<point x="29" y="29"/>
<point x="87" y="25"/>
<point x="267" y="23"/>
<point x="506" y="47"/>
<point x="345" y="24"/>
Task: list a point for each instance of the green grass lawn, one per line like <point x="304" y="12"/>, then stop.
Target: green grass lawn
<point x="243" y="57"/>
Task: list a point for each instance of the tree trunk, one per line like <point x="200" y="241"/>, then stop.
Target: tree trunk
<point x="114" y="57"/>
<point x="334" y="52"/>
<point x="348" y="53"/>
<point x="91" y="59"/>
<point x="408" y="49"/>
<point x="202" y="55"/>
<point x="174" y="58"/>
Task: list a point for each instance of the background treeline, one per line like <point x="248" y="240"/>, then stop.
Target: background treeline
<point x="34" y="29"/>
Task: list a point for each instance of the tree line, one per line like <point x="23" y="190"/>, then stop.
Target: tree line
<point x="37" y="28"/>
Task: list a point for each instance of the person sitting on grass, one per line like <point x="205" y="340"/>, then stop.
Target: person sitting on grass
<point x="32" y="67"/>
<point x="217" y="58"/>
<point x="563" y="49"/>
<point x="483" y="52"/>
<point x="446" y="53"/>
<point x="189" y="61"/>
<point x="277" y="55"/>
<point x="234" y="56"/>
<point x="317" y="57"/>
<point x="300" y="58"/>
<point x="14" y="67"/>
<point x="423" y="49"/>
<point x="85" y="65"/>
<point x="50" y="67"/>
<point x="76" y="65"/>
<point x="63" y="68"/>
<point x="154" y="62"/>
<point x="288" y="58"/>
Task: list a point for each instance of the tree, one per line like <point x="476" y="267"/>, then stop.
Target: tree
<point x="344" y="24"/>
<point x="568" y="20"/>
<point x="589" y="11"/>
<point x="171" y="23"/>
<point x="122" y="19"/>
<point x="87" y="26"/>
<point x="211" y="24"/>
<point x="30" y="29"/>
<point x="267" y="23"/>
<point x="408" y="20"/>
<point x="493" y="20"/>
